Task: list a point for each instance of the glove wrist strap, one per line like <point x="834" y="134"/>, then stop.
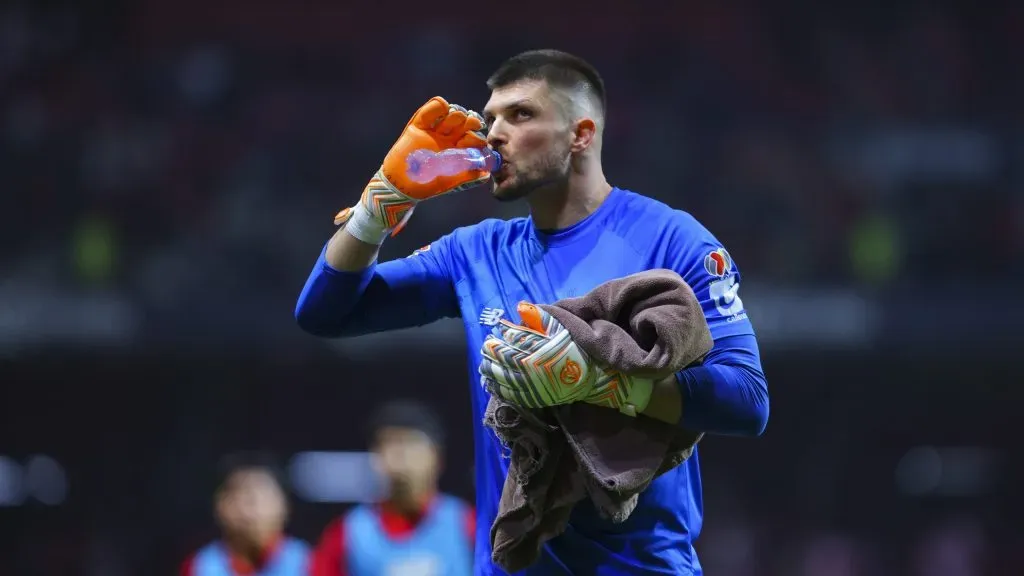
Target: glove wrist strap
<point x="639" y="397"/>
<point x="365" y="226"/>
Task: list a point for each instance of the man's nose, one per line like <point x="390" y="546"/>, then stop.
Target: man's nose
<point x="496" y="136"/>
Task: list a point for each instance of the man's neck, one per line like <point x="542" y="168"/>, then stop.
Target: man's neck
<point x="561" y="208"/>
<point x="251" y="551"/>
<point x="411" y="505"/>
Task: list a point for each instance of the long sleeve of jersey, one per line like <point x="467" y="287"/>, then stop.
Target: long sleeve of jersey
<point x="401" y="293"/>
<point x="728" y="393"/>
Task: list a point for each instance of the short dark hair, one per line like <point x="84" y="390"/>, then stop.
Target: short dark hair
<point x="559" y="69"/>
<point x="407" y="413"/>
<point x="235" y="462"/>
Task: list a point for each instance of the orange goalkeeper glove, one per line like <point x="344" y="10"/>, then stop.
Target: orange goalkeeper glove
<point x="390" y="197"/>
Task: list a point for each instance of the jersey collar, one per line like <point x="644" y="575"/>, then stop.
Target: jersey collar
<point x="398" y="524"/>
<point x="579" y="229"/>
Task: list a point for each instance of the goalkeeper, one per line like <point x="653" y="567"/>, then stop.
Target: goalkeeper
<point x="546" y="115"/>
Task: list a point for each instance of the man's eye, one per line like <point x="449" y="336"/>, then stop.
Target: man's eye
<point x="523" y="114"/>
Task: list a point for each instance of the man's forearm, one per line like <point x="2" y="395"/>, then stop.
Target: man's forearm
<point x="724" y="399"/>
<point x="715" y="399"/>
<point x="347" y="253"/>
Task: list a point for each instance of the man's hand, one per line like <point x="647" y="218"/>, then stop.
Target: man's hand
<point x="390" y="197"/>
<point x="536" y="364"/>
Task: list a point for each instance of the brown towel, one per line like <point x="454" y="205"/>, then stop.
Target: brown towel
<point x="648" y="324"/>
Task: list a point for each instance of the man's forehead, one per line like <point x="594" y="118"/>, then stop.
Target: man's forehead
<point x="250" y="477"/>
<point x="400" y="434"/>
<point x="522" y="92"/>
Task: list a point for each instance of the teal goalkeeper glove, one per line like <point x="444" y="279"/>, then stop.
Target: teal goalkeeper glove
<point x="536" y="364"/>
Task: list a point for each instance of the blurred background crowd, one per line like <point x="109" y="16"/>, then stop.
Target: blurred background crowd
<point x="170" y="171"/>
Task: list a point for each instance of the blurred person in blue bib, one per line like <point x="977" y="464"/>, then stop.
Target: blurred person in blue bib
<point x="416" y="529"/>
<point x="251" y="508"/>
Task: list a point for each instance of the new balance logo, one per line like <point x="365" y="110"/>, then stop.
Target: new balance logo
<point x="491" y="316"/>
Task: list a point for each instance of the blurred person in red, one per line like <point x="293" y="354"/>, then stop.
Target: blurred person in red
<point x="414" y="529"/>
<point x="251" y="509"/>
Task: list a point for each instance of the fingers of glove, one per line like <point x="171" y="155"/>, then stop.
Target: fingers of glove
<point x="497" y="370"/>
<point x="474" y="122"/>
<point x="453" y="124"/>
<point x="431" y="114"/>
<point x="477" y="178"/>
<point x="492" y="370"/>
<point x="512" y="386"/>
<point x="506" y="380"/>
<point x="521" y="337"/>
<point x="471" y="140"/>
<point x="502" y="353"/>
<point x="536" y="319"/>
<point x="519" y="384"/>
<point x="476" y="131"/>
<point x="494" y="387"/>
<point x="491" y="386"/>
<point x="527" y="380"/>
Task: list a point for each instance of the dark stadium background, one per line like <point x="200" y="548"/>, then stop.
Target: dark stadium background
<point x="169" y="170"/>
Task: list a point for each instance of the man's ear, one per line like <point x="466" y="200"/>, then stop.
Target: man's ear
<point x="439" y="460"/>
<point x="583" y="135"/>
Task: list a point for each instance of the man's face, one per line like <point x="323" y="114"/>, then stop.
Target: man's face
<point x="408" y="459"/>
<point x="529" y="127"/>
<point x="251" y="506"/>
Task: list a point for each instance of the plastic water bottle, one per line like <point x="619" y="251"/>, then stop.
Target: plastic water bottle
<point x="425" y="165"/>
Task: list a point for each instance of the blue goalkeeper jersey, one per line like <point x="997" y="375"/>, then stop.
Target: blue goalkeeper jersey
<point x="479" y="273"/>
